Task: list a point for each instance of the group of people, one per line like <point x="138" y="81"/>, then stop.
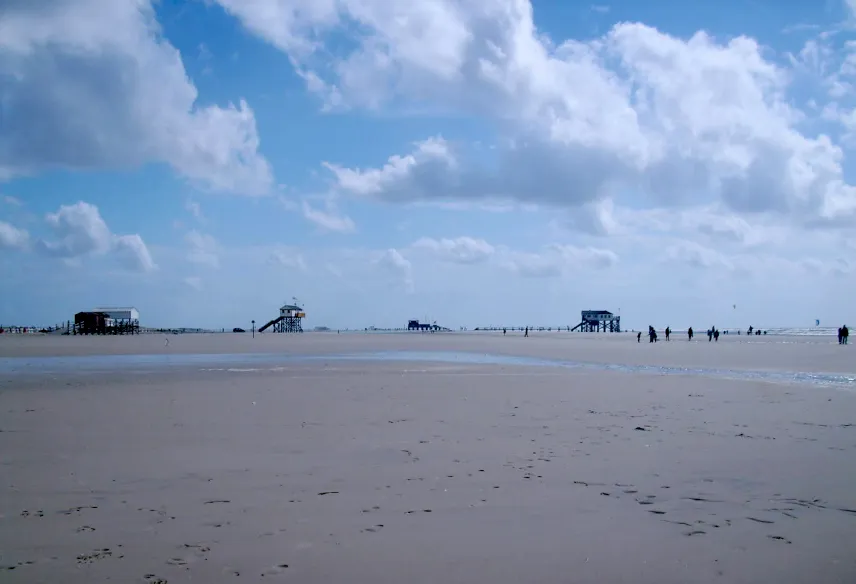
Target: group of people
<point x="712" y="334"/>
<point x="843" y="334"/>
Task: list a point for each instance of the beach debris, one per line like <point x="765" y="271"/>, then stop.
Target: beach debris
<point x="328" y="493"/>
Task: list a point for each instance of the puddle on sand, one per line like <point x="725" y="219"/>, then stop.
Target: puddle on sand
<point x="152" y="363"/>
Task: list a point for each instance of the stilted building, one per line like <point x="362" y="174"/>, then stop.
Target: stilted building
<point x="595" y="321"/>
<point x="288" y="321"/>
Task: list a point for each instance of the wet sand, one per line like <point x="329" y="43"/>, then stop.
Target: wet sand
<point x="388" y="472"/>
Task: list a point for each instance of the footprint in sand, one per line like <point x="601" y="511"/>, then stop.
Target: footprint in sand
<point x="77" y="509"/>
<point x="374" y="529"/>
<point x="779" y="538"/>
<point x="96" y="555"/>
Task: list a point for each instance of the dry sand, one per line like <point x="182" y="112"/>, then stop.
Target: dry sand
<point x="388" y="472"/>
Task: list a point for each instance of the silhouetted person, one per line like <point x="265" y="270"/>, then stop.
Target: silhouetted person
<point x="716" y="335"/>
<point x="709" y="334"/>
<point x="526" y="332"/>
<point x="690" y="334"/>
<point x="503" y="332"/>
<point x="668" y="332"/>
<point x="845" y="333"/>
<point x="840" y="335"/>
<point x="639" y="337"/>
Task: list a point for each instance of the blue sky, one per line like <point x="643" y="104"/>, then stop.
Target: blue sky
<point x="502" y="162"/>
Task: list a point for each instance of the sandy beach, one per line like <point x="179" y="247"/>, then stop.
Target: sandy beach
<point x="252" y="462"/>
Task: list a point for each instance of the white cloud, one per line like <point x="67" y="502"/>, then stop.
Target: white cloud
<point x="12" y="201"/>
<point x="80" y="231"/>
<point x="676" y="121"/>
<point x="12" y="237"/>
<point x="399" y="178"/>
<point x="400" y="267"/>
<point x="555" y="260"/>
<point x="202" y="249"/>
<point x="558" y="260"/>
<point x="93" y="84"/>
<point x="287" y="258"/>
<point x="329" y="219"/>
<point x="462" y="250"/>
<point x="134" y="252"/>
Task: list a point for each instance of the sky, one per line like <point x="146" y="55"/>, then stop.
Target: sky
<point x="501" y="162"/>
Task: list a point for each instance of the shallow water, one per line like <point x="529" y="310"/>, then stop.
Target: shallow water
<point x="90" y="363"/>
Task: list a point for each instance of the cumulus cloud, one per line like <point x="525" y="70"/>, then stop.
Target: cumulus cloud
<point x="398" y="266"/>
<point x="90" y="84"/>
<point x="678" y="121"/>
<point x="12" y="237"/>
<point x="80" y="231"/>
<point x="329" y="219"/>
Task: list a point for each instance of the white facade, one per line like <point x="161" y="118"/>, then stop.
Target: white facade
<point x="117" y="313"/>
<point x="290" y="310"/>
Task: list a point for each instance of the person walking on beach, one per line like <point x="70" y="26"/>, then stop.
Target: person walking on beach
<point x="716" y="335"/>
<point x="845" y="333"/>
<point x="503" y="332"/>
<point x="639" y="337"/>
<point x="690" y="334"/>
<point x="526" y="332"/>
<point x="840" y="335"/>
<point x="668" y="332"/>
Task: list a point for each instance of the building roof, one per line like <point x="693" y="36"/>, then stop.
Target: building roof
<point x="291" y="307"/>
